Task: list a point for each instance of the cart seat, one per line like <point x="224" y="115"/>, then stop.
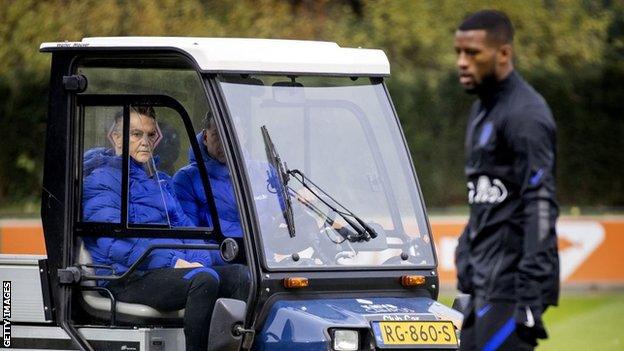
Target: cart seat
<point x="100" y="306"/>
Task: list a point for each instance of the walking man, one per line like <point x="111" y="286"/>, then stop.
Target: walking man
<point x="507" y="256"/>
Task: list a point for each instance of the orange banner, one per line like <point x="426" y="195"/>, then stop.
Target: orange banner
<point x="589" y="249"/>
<point x="21" y="237"/>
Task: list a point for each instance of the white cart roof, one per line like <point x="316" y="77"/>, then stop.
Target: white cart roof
<point x="251" y="55"/>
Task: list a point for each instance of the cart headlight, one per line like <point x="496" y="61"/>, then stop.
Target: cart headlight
<point x="346" y="340"/>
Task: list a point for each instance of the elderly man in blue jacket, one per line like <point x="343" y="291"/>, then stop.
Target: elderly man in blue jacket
<point x="173" y="279"/>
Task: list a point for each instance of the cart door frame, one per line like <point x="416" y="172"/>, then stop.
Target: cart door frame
<point x="60" y="185"/>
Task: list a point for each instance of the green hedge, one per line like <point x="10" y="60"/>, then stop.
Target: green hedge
<point x="571" y="51"/>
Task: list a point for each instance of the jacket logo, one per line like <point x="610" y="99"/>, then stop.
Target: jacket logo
<point x="486" y="191"/>
<point x="486" y="132"/>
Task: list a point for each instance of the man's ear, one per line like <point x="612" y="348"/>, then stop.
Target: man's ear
<point x="505" y="54"/>
<point x="117" y="142"/>
<point x="205" y="137"/>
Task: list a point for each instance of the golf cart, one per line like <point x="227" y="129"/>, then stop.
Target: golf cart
<point x="334" y="231"/>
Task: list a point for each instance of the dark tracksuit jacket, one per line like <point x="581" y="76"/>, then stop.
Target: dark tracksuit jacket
<point x="508" y="250"/>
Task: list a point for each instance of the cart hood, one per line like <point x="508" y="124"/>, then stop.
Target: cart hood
<point x="304" y="324"/>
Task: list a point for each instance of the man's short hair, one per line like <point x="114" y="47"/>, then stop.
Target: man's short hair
<point x="141" y="110"/>
<point x="208" y="122"/>
<point x="496" y="23"/>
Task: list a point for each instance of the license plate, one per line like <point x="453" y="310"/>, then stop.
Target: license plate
<point x="425" y="333"/>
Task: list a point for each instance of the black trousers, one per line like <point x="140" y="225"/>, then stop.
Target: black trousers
<point x="195" y="289"/>
<point x="490" y="326"/>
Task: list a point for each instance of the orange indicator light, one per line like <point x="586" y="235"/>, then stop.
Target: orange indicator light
<point x="412" y="280"/>
<point x="295" y="283"/>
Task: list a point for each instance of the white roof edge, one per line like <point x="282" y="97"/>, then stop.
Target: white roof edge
<point x="252" y="55"/>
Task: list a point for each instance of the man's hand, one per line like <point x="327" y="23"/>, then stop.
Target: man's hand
<point x="305" y="196"/>
<point x="529" y="324"/>
<point x="180" y="263"/>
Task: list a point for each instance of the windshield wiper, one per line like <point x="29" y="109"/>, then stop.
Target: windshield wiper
<point x="282" y="177"/>
<point x="364" y="231"/>
<point x="344" y="232"/>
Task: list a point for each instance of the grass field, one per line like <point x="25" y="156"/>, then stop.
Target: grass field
<point x="588" y="321"/>
<point x="583" y="321"/>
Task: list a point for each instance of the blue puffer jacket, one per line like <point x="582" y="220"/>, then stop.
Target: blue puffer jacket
<point x="189" y="190"/>
<point x="101" y="201"/>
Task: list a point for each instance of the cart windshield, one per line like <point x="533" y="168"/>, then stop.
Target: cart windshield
<point x="327" y="165"/>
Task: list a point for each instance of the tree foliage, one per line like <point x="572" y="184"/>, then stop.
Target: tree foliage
<point x="572" y="51"/>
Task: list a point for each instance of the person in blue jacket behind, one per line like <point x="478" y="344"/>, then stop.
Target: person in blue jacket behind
<point x="174" y="279"/>
<point x="189" y="190"/>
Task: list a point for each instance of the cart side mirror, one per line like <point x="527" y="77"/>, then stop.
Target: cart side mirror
<point x="227" y="319"/>
<point x="461" y="303"/>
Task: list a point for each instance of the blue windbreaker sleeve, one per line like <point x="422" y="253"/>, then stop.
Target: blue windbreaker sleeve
<point x="274" y="182"/>
<point x="202" y="256"/>
<point x="101" y="198"/>
<point x="162" y="258"/>
<point x="124" y="251"/>
<point x="189" y="201"/>
<point x="532" y="139"/>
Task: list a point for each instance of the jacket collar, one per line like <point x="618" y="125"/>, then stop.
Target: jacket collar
<point x="106" y="157"/>
<point x="490" y="93"/>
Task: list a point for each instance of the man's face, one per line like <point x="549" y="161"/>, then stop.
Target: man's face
<point x="476" y="58"/>
<point x="143" y="134"/>
<point x="213" y="144"/>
